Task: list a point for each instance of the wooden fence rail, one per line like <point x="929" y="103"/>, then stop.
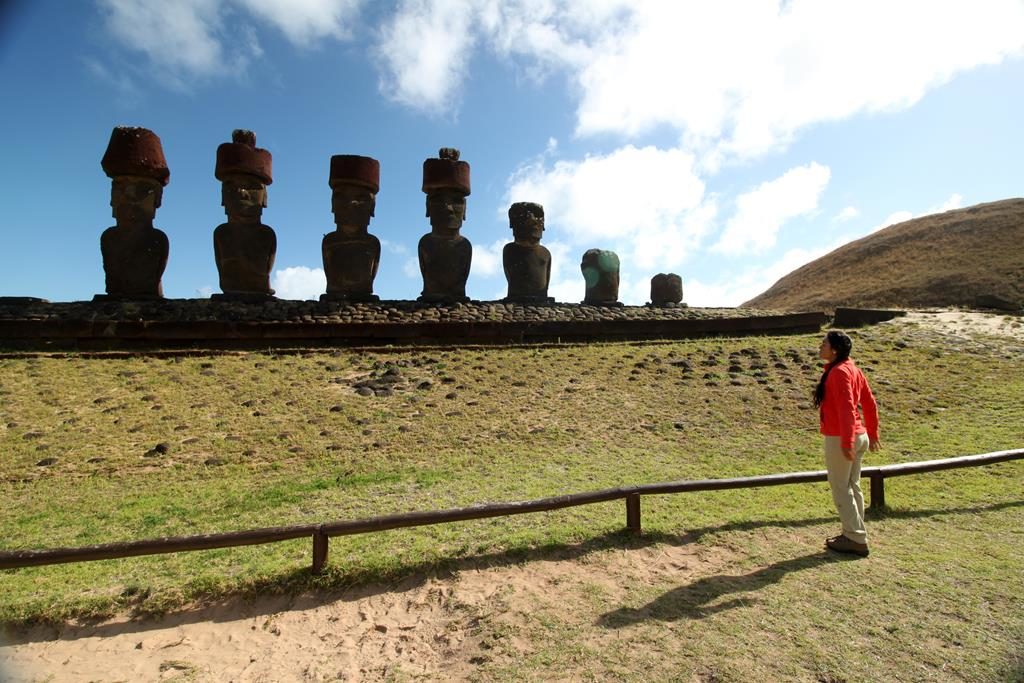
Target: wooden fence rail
<point x="321" y="533"/>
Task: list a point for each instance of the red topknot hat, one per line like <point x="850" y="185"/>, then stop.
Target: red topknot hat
<point x="352" y="168"/>
<point x="241" y="155"/>
<point x="446" y="173"/>
<point x="135" y="151"/>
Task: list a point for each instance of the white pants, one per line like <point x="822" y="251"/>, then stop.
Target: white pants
<point x="844" y="479"/>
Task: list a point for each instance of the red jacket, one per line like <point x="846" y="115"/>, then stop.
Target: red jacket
<point x="845" y="389"/>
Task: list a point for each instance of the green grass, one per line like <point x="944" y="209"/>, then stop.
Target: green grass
<point x="257" y="440"/>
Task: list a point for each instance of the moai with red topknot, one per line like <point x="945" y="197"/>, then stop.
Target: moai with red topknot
<point x="244" y="247"/>
<point x="134" y="252"/>
<point x="351" y="254"/>
<point x="445" y="255"/>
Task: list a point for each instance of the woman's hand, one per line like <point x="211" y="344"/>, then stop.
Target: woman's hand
<point x="875" y="445"/>
<point x="849" y="454"/>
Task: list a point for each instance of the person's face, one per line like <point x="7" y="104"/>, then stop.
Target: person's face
<point x="825" y="351"/>
<point x="243" y="196"/>
<point x="353" y="206"/>
<point x="134" y="200"/>
<point x="528" y="226"/>
<point x="447" y="210"/>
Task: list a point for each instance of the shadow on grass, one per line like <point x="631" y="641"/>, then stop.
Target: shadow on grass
<point x="693" y="601"/>
<point x="299" y="589"/>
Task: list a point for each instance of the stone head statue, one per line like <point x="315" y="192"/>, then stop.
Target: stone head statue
<point x="527" y="222"/>
<point x="134" y="252"/>
<point x="446" y="183"/>
<point x="244" y="170"/>
<point x="354" y="181"/>
<point x="601" y="273"/>
<point x="666" y="289"/>
<point x="134" y="161"/>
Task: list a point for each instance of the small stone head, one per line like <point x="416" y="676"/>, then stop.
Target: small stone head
<point x="446" y="183"/>
<point x="135" y="162"/>
<point x="354" y="181"/>
<point x="666" y="289"/>
<point x="527" y="222"/>
<point x="601" y="274"/>
<point x="244" y="170"/>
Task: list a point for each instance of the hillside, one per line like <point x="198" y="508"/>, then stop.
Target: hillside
<point x="946" y="259"/>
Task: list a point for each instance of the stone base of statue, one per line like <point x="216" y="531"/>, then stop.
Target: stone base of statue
<point x="21" y="300"/>
<point x="529" y="300"/>
<point x="244" y="297"/>
<point x="668" y="304"/>
<point x="443" y="299"/>
<point x="127" y="297"/>
<point x="604" y="304"/>
<point x="349" y="298"/>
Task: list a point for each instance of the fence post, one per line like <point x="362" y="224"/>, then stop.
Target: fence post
<point x="633" y="512"/>
<point x="320" y="542"/>
<point x="877" y="491"/>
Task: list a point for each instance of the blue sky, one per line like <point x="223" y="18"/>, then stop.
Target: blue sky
<point x="728" y="142"/>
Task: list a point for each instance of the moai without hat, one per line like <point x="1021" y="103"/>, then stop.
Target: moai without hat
<point x="134" y="252"/>
<point x="526" y="262"/>
<point x="244" y="248"/>
<point x="351" y="254"/>
<point x="667" y="290"/>
<point x="601" y="273"/>
<point x="445" y="255"/>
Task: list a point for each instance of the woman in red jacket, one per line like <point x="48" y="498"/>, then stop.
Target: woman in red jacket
<point x="848" y="436"/>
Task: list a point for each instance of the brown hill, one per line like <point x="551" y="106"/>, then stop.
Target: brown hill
<point x="946" y="259"/>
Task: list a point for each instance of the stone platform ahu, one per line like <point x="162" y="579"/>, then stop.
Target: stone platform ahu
<point x="135" y="253"/>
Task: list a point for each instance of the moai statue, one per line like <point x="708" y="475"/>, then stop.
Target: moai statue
<point x="601" y="273"/>
<point x="527" y="263"/>
<point x="445" y="255"/>
<point x="667" y="290"/>
<point x="134" y="252"/>
<point x="351" y="253"/>
<point x="244" y="247"/>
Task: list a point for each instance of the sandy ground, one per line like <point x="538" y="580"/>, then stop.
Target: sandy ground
<point x="427" y="627"/>
<point x="966" y="323"/>
<point x="433" y="627"/>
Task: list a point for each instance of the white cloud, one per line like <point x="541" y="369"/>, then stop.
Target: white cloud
<point x="424" y="49"/>
<point x="205" y="291"/>
<point x="188" y="39"/>
<point x="744" y="284"/>
<point x="615" y="197"/>
<point x="299" y="282"/>
<point x="762" y="73"/>
<point x="307" y="21"/>
<point x="733" y="81"/>
<point x="847" y="214"/>
<point x="761" y="212"/>
<point x="411" y="268"/>
<point x="647" y="205"/>
<point x="893" y="219"/>
<point x="955" y="201"/>
<point x="426" y="46"/>
<point x="487" y="260"/>
<point x="178" y="37"/>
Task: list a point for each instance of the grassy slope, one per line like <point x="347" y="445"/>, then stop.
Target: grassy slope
<point x="293" y="443"/>
<point x="945" y="259"/>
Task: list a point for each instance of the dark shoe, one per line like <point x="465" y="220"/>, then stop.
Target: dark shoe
<point x="841" y="544"/>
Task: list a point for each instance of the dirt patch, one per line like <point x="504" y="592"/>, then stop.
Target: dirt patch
<point x="966" y="323"/>
<point x="437" y="627"/>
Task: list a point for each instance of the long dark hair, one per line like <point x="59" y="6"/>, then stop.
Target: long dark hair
<point x="842" y="345"/>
